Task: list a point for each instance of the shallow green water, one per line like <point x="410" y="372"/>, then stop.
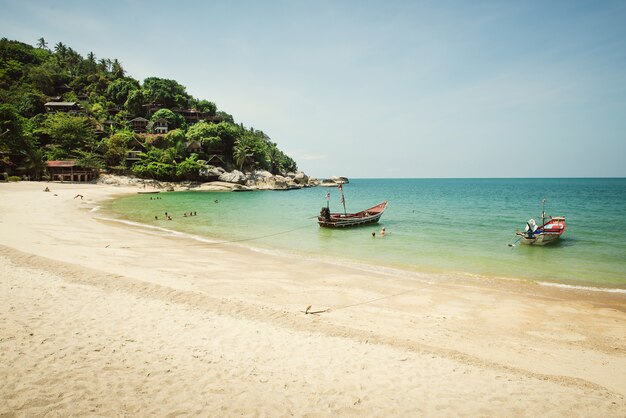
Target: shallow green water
<point x="441" y="225"/>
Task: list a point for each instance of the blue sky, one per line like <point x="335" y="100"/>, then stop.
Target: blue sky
<point x="380" y="89"/>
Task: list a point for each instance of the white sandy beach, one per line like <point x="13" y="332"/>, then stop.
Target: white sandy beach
<point x="102" y="318"/>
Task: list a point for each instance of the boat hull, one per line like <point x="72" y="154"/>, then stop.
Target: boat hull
<point x="541" y="239"/>
<point x="547" y="233"/>
<point x="366" y="217"/>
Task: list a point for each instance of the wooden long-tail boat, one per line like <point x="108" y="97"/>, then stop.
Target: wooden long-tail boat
<point x="328" y="219"/>
<point x="548" y="232"/>
<point x="343" y="220"/>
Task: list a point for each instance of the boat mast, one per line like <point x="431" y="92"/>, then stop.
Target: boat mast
<point x="543" y="212"/>
<point x="343" y="199"/>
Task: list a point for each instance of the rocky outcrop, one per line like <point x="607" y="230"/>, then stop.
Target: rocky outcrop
<point x="211" y="173"/>
<point x="223" y="181"/>
<point x="301" y="178"/>
<point x="264" y="180"/>
<point x="333" y="181"/>
<point x="234" y="176"/>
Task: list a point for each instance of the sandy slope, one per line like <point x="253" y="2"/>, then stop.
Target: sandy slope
<point x="102" y="319"/>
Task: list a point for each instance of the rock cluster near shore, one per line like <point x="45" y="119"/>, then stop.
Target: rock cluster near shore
<point x="222" y="180"/>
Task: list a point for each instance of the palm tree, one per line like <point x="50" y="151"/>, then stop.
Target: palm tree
<point x="42" y="44"/>
<point x="103" y="64"/>
<point x="273" y="155"/>
<point x="116" y="69"/>
<point x="241" y="153"/>
<point x="73" y="60"/>
<point x="35" y="162"/>
<point x="60" y="49"/>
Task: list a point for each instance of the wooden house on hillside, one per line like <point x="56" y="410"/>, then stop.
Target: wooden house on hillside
<point x="139" y="124"/>
<point x="193" y="146"/>
<point x="152" y="108"/>
<point x="69" y="171"/>
<point x="192" y="116"/>
<point x="159" y="126"/>
<point x="135" y="148"/>
<point x="66" y="107"/>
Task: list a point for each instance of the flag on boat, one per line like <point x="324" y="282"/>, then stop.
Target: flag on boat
<point x="339" y="186"/>
<point x="328" y="196"/>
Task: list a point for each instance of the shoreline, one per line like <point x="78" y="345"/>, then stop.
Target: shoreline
<point x="364" y="265"/>
<point x="388" y="345"/>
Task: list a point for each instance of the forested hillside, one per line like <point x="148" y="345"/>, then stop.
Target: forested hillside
<point x="57" y="105"/>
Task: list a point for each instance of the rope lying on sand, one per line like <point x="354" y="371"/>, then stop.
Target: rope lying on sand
<point x="309" y="312"/>
<point x="204" y="243"/>
<point x="259" y="237"/>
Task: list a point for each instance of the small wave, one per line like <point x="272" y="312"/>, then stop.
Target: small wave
<point x="170" y="232"/>
<point x="95" y="209"/>
<point x="589" y="288"/>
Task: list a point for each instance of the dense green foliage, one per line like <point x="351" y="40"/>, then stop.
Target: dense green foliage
<point x="99" y="133"/>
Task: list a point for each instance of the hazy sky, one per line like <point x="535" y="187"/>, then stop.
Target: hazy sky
<point x="380" y="89"/>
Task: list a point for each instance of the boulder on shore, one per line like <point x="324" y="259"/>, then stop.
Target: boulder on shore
<point x="340" y="179"/>
<point x="234" y="176"/>
<point x="301" y="178"/>
<point x="211" y="173"/>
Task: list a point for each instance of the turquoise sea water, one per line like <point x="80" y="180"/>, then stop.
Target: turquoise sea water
<point x="433" y="225"/>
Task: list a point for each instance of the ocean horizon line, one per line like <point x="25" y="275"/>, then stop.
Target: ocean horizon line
<point x="480" y="178"/>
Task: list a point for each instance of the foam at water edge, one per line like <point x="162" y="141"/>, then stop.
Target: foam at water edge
<point x="588" y="288"/>
<point x="161" y="229"/>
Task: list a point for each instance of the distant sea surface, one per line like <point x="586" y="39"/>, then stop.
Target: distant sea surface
<point x="449" y="226"/>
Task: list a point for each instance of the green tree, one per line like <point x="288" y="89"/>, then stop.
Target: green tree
<point x="242" y="153"/>
<point x="173" y="119"/>
<point x="116" y="69"/>
<point x="274" y="157"/>
<point x="12" y="125"/>
<point x="166" y="92"/>
<point x="225" y="117"/>
<point x="61" y="50"/>
<point x="118" y="91"/>
<point x="116" y="146"/>
<point x="135" y="103"/>
<point x="89" y="159"/>
<point x="206" y="106"/>
<point x="41" y="78"/>
<point x="189" y="168"/>
<point x="175" y="136"/>
<point x="69" y="132"/>
<point x="200" y="131"/>
<point x="156" y="164"/>
<point x="42" y="44"/>
<point x="35" y="162"/>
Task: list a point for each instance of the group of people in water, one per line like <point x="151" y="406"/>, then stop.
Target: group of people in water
<point x="169" y="217"/>
<point x="382" y="233"/>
